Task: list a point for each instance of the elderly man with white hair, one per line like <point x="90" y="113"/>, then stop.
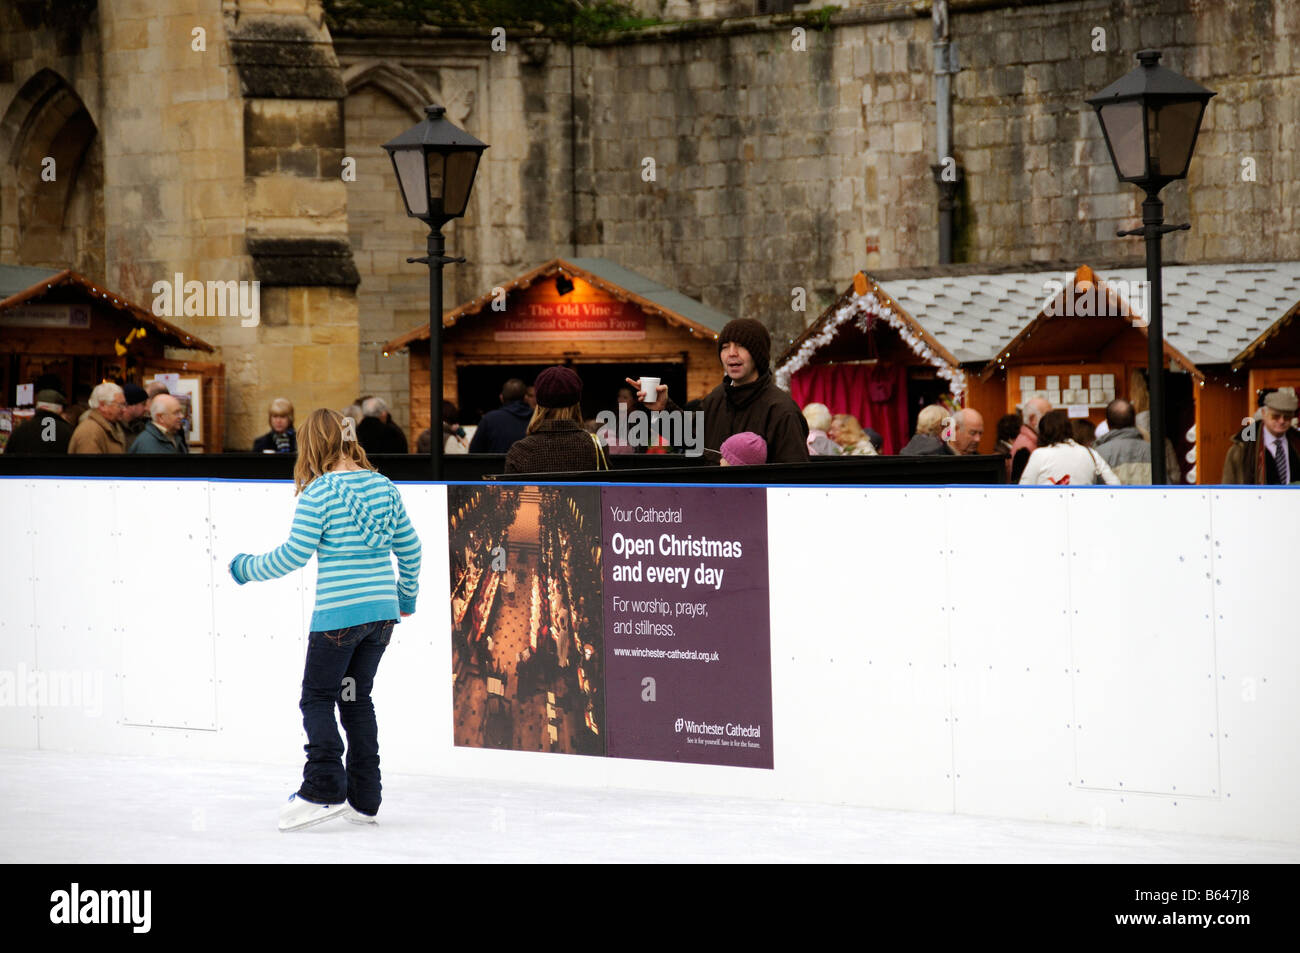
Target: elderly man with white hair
<point x="162" y="433"/>
<point x="100" y="431"/>
<point x="377" y="433"/>
<point x="966" y="432"/>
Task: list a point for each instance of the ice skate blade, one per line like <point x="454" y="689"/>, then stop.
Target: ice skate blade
<point x="356" y="817"/>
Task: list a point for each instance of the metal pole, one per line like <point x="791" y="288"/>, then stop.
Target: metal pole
<point x="1153" y="218"/>
<point x="437" y="246"/>
<point x="943" y="72"/>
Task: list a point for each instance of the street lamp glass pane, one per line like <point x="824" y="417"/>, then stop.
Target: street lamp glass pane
<point x="1171" y="130"/>
<point x="460" y="175"/>
<point x="1123" y="123"/>
<point x="410" y="176"/>
<point x="436" y="159"/>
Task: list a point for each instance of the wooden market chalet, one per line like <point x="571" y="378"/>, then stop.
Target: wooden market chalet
<point x="62" y="324"/>
<point x="606" y="321"/>
<point x="991" y="338"/>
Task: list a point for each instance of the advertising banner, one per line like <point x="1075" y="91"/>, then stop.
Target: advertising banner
<point x="631" y="622"/>
<point x="689" y="671"/>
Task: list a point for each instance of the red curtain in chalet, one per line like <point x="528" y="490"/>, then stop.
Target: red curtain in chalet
<point x="874" y="393"/>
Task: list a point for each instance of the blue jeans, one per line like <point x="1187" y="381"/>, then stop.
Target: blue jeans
<point x="333" y="658"/>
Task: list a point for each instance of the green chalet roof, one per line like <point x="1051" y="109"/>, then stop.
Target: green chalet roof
<point x="20" y="284"/>
<point x="660" y="294"/>
<point x="16" y="278"/>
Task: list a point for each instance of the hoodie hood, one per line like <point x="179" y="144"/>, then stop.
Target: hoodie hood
<point x="375" y="517"/>
<point x="520" y="409"/>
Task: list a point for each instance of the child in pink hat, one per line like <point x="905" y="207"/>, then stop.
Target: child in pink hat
<point x="743" y="449"/>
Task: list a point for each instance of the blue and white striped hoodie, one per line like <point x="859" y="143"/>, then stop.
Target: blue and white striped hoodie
<point x="351" y="520"/>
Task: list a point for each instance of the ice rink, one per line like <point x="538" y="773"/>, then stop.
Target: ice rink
<point x="80" y="808"/>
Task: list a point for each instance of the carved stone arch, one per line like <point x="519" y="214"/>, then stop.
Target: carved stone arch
<point x="404" y="86"/>
<point x="18" y="118"/>
<point x="57" y="223"/>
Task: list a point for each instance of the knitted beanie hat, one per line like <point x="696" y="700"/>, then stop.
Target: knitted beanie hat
<point x="753" y="337"/>
<point x="134" y="394"/>
<point x="743" y="449"/>
<point x="558" y="386"/>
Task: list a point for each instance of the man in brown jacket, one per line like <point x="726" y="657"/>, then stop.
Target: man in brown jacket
<point x="101" y="431"/>
<point x="1267" y="451"/>
<point x="748" y="398"/>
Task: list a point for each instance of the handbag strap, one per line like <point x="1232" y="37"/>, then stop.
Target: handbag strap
<point x="1096" y="465"/>
<point x="601" y="462"/>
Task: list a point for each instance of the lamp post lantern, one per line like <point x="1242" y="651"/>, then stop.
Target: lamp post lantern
<point x="1150" y="118"/>
<point x="435" y="162"/>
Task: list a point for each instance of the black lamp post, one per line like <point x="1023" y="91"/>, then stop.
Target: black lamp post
<point x="1150" y="118"/>
<point x="435" y="162"/>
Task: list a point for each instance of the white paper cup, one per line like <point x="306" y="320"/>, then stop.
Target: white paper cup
<point x="650" y="385"/>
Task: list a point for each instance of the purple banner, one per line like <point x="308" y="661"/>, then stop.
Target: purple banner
<point x="688" y="673"/>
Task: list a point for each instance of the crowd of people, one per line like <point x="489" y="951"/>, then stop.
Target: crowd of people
<point x="746" y="419"/>
<point x="1046" y="446"/>
<point x="117" y="418"/>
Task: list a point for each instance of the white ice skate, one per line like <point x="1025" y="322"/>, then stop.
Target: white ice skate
<point x="356" y="817"/>
<point x="298" y="814"/>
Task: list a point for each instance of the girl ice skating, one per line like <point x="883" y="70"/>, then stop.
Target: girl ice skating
<point x="351" y="517"/>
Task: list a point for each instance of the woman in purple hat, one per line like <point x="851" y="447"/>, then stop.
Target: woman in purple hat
<point x="556" y="441"/>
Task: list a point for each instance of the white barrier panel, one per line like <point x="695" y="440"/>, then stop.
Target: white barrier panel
<point x="1119" y="657"/>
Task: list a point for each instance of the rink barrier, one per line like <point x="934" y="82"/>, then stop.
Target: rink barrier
<point x="1119" y="657"/>
<point x="464" y="468"/>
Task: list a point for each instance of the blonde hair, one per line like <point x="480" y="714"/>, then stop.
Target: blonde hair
<point x="321" y="446"/>
<point x="930" y="420"/>
<point x="848" y="425"/>
<point x="280" y="407"/>
<point x="540" y="414"/>
<point x="818" y="416"/>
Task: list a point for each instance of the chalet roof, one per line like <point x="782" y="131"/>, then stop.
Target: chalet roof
<point x="20" y="284"/>
<point x="974" y="316"/>
<point x="1272" y="333"/>
<point x="1212" y="312"/>
<point x="866" y="300"/>
<point x="16" y="278"/>
<point x="674" y="301"/>
<point x="1088" y="330"/>
<point x="622" y="283"/>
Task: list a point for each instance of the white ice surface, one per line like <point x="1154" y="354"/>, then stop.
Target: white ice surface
<point x="80" y="808"/>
